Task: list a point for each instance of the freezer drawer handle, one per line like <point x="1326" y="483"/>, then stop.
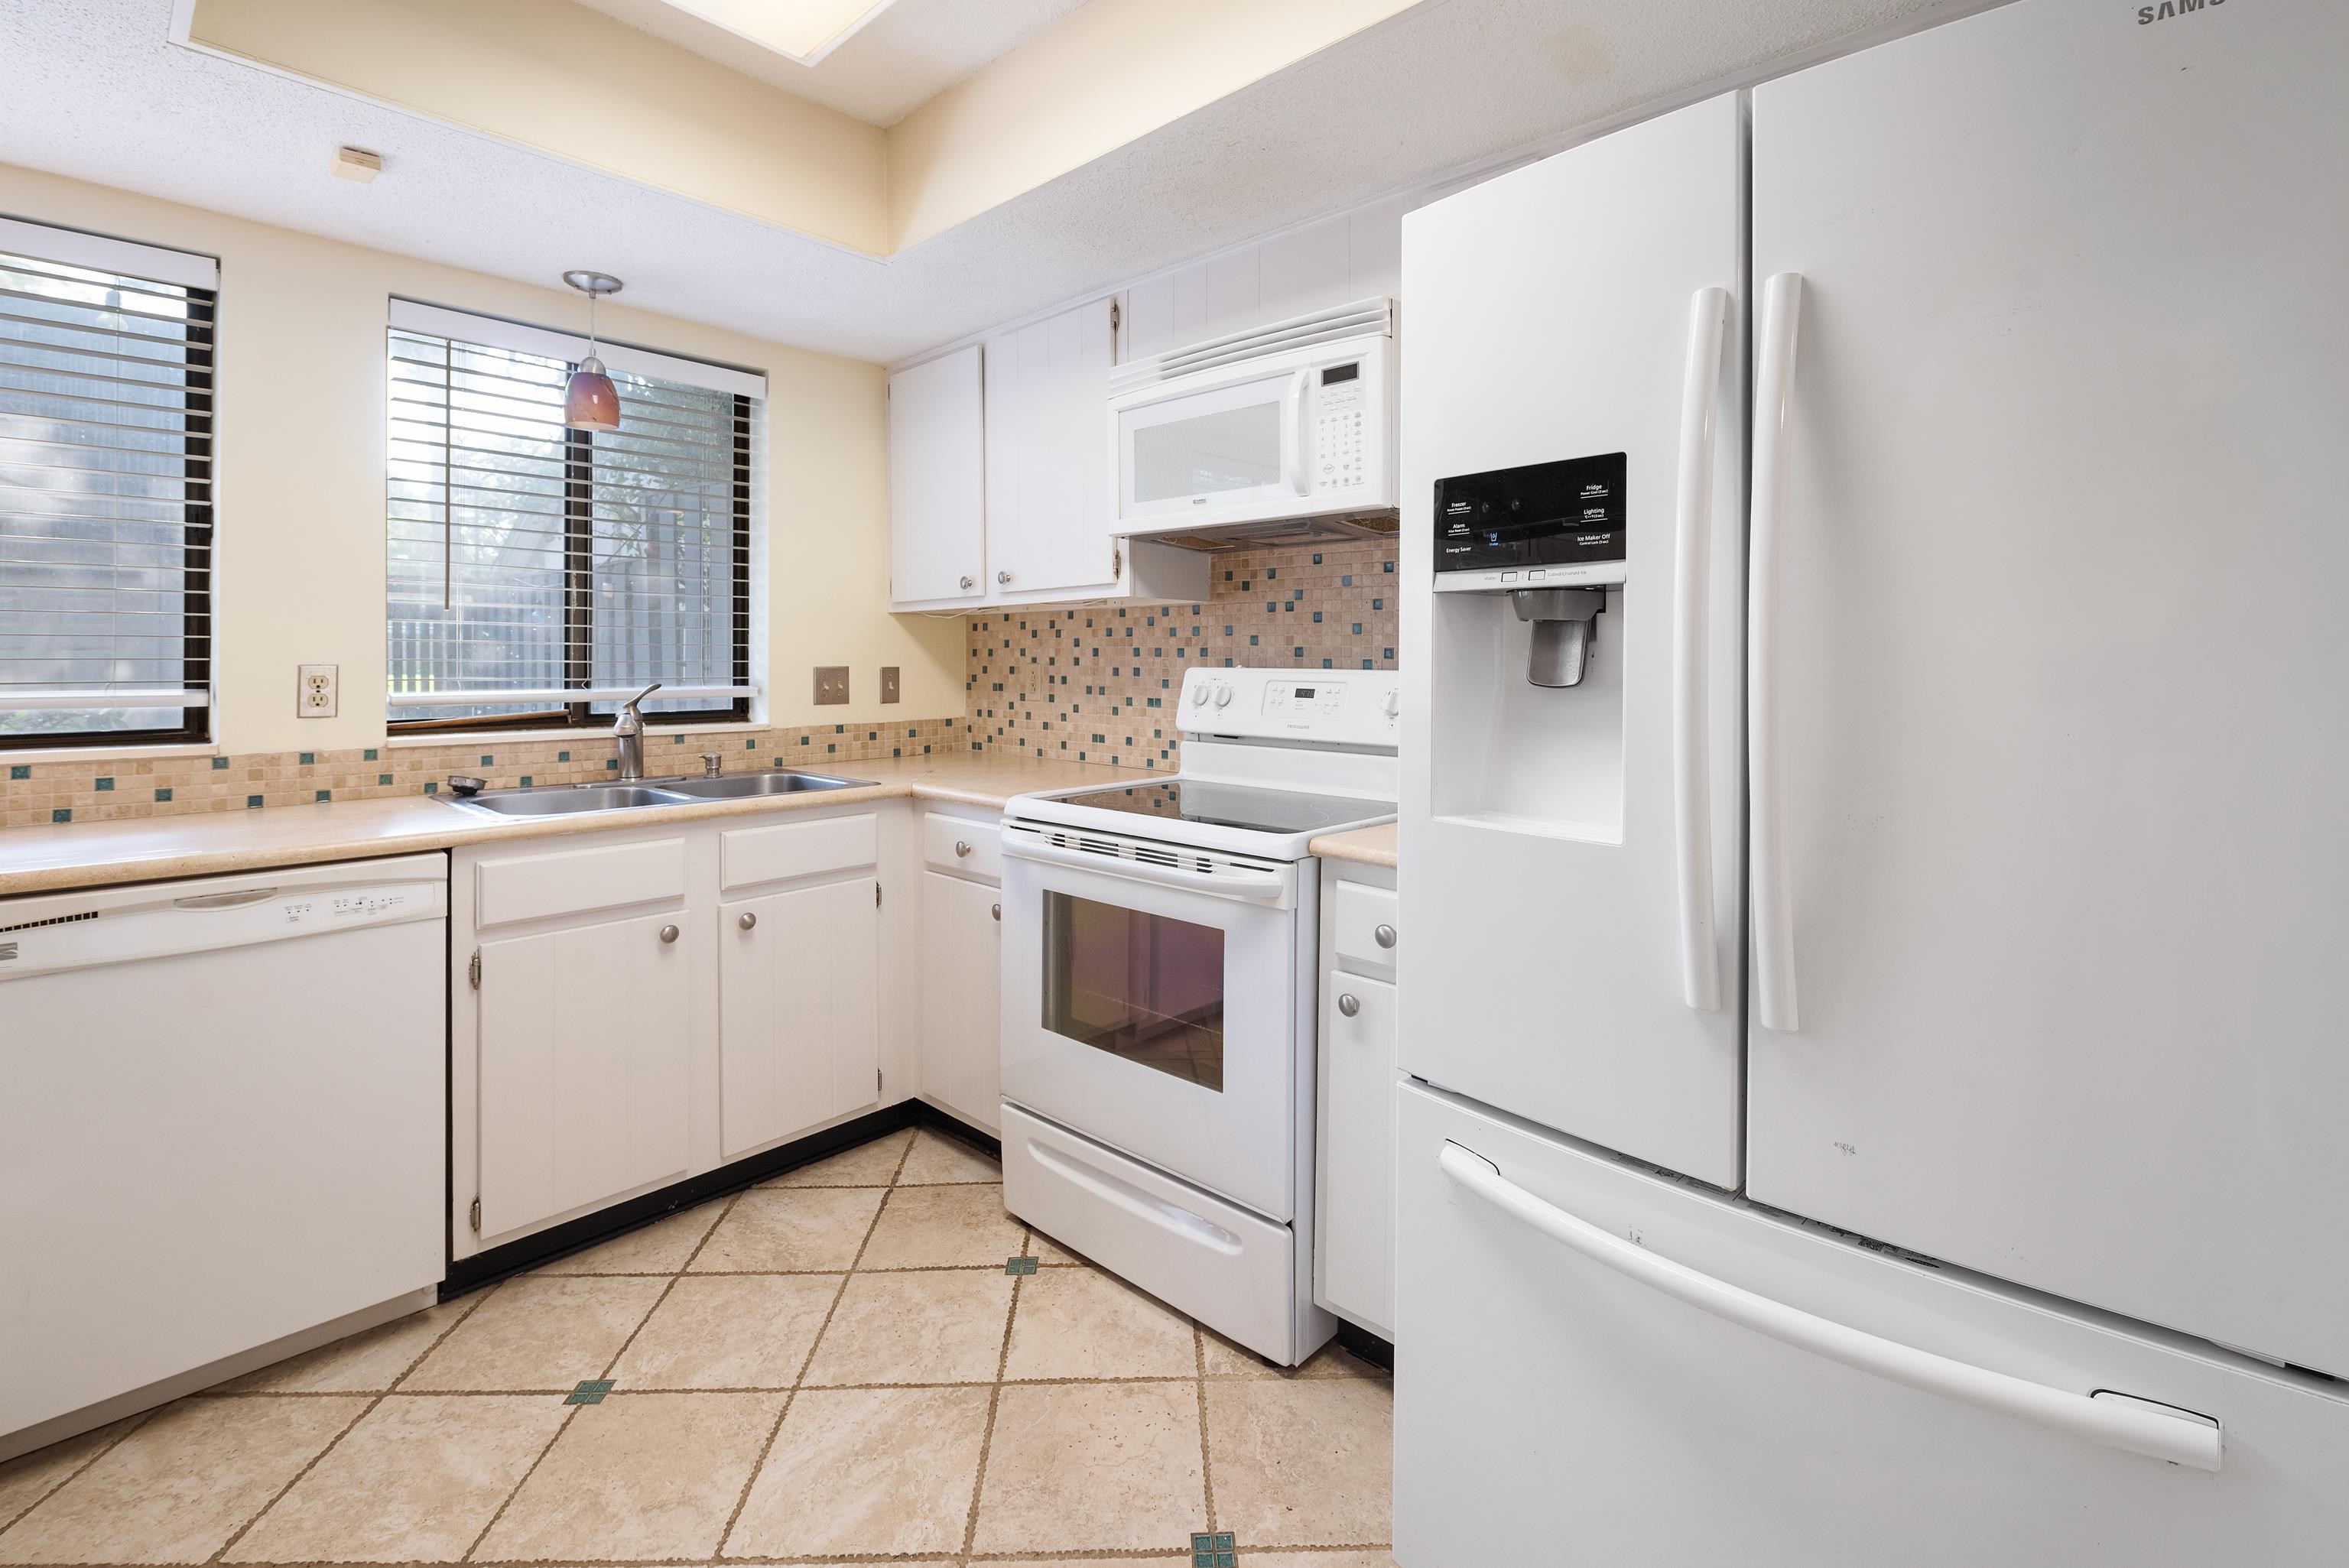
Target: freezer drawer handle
<point x="2137" y="1426"/>
<point x="1774" y="901"/>
<point x="1691" y="613"/>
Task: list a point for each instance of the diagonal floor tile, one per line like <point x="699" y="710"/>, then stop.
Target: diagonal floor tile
<point x="1221" y="1358"/>
<point x="179" y="1487"/>
<point x="366" y="1363"/>
<point x="867" y="1470"/>
<point x="775" y="1230"/>
<point x="639" y="1476"/>
<point x="28" y="1478"/>
<point x="729" y="1331"/>
<point x="943" y="1227"/>
<point x="932" y="1327"/>
<point x="1081" y="1322"/>
<point x="659" y="1248"/>
<point x="869" y="1164"/>
<point x="1307" y="1462"/>
<point x="1093" y="1467"/>
<point x="938" y="1159"/>
<point x="538" y="1333"/>
<point x="416" y="1481"/>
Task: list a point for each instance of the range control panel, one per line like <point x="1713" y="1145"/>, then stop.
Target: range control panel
<point x="1338" y="708"/>
<point x="1556" y="524"/>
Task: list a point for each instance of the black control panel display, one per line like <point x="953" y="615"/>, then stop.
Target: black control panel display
<point x="1565" y="513"/>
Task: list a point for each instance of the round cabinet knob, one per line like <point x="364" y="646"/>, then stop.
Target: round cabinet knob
<point x="1199" y="695"/>
<point x="969" y="584"/>
<point x="748" y="920"/>
<point x="669" y="933"/>
<point x="1223" y="697"/>
<point x="1003" y="577"/>
<point x="962" y="851"/>
<point x="1349" y="1004"/>
<point x="1384" y="936"/>
<point x="996" y="910"/>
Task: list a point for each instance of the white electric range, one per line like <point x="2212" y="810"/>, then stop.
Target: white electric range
<point x="1158" y="996"/>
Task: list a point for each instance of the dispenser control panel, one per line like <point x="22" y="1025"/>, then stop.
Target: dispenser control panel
<point x="1546" y="525"/>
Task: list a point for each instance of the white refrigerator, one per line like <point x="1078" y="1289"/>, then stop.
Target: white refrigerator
<point x="1875" y="1050"/>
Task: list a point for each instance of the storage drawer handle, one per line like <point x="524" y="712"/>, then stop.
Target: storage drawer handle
<point x="2137" y="1426"/>
<point x="1384" y="937"/>
<point x="669" y="933"/>
<point x="961" y="849"/>
<point x="1349" y="1004"/>
<point x="1141" y="1205"/>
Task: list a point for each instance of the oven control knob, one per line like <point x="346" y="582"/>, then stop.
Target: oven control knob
<point x="1199" y="694"/>
<point x="1223" y="696"/>
<point x="1394" y="703"/>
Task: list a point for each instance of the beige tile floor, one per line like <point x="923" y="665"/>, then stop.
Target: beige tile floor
<point x="833" y="1366"/>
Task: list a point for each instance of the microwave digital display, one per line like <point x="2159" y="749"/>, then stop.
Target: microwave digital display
<point x="1336" y="372"/>
<point x="1563" y="513"/>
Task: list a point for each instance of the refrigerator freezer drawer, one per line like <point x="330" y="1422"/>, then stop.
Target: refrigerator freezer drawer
<point x="1735" y="1386"/>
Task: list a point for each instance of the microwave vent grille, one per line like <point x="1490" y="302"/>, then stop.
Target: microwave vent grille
<point x="1364" y="318"/>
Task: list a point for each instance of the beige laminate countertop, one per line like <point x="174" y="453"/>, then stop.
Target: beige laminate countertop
<point x="206" y="843"/>
<point x="1365" y="846"/>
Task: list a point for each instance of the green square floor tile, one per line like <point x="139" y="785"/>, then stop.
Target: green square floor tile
<point x="591" y="1392"/>
<point x="1020" y="1266"/>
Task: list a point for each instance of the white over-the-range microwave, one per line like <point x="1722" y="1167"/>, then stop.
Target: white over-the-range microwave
<point x="1291" y="421"/>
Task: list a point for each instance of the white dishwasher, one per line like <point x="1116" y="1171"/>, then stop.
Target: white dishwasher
<point x="221" y="1123"/>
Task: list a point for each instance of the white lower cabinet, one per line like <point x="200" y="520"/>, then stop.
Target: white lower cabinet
<point x="582" y="1067"/>
<point x="962" y="984"/>
<point x="799" y="1030"/>
<point x="1356" y="1277"/>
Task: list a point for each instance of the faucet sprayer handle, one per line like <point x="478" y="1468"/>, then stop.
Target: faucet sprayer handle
<point x="631" y="722"/>
<point x="642" y="694"/>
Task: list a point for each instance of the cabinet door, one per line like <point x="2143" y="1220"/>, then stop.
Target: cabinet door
<point x="799" y="1027"/>
<point x="1047" y="506"/>
<point x="582" y="1067"/>
<point x="962" y="985"/>
<point x="937" y="480"/>
<point x="1354" y="1240"/>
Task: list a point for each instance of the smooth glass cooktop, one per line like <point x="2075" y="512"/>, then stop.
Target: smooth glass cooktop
<point x="1234" y="806"/>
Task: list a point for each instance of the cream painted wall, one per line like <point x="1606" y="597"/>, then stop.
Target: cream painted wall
<point x="299" y="562"/>
<point x="546" y="73"/>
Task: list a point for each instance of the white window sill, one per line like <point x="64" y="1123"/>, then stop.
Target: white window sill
<point x="110" y="753"/>
<point x="654" y="732"/>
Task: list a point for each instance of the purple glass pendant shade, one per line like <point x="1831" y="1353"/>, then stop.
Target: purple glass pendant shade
<point x="590" y="401"/>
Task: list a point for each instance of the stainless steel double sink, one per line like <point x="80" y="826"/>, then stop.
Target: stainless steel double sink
<point x="569" y="799"/>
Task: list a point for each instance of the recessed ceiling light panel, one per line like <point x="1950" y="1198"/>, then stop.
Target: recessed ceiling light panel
<point x="801" y="30"/>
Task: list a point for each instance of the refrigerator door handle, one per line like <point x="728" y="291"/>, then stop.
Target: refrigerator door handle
<point x="1773" y="903"/>
<point x="1692" y="606"/>
<point x="2137" y="1425"/>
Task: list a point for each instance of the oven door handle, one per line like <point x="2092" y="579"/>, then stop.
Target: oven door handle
<point x="1253" y="884"/>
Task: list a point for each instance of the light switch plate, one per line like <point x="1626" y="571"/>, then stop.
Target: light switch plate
<point x="313" y="696"/>
<point x="831" y="684"/>
<point x="888" y="683"/>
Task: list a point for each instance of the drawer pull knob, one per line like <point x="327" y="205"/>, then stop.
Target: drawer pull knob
<point x="669" y="933"/>
<point x="996" y="910"/>
<point x="1349" y="1004"/>
<point x="962" y="850"/>
<point x="1384" y="936"/>
<point x="748" y="920"/>
<point x="967" y="584"/>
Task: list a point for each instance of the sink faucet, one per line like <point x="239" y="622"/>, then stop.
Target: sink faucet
<point x="628" y="733"/>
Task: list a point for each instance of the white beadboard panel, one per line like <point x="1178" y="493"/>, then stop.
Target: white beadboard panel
<point x="1354" y="256"/>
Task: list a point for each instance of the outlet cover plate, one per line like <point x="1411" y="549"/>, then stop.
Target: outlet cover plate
<point x="313" y="694"/>
<point x="889" y="683"/>
<point x="831" y="684"/>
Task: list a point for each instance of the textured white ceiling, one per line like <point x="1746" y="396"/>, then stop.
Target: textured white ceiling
<point x="91" y="88"/>
<point x="895" y="63"/>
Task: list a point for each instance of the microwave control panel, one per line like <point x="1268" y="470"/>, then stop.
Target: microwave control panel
<point x="1338" y="426"/>
<point x="1551" y="525"/>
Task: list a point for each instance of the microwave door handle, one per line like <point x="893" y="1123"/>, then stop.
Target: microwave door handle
<point x="1292" y="450"/>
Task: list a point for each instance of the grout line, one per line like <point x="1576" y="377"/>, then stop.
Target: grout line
<point x="1199" y="1385"/>
<point x="1170" y="1555"/>
<point x="993" y="1402"/>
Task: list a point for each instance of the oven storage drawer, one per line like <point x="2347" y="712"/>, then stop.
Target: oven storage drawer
<point x="1231" y="1270"/>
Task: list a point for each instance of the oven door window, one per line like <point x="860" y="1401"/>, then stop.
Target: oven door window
<point x="1141" y="986"/>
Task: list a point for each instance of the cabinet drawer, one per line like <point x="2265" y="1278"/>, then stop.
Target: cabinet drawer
<point x="958" y="844"/>
<point x="531" y="887"/>
<point x="1359" y="916"/>
<point x="749" y="856"/>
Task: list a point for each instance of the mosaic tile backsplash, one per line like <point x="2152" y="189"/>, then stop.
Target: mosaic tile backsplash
<point x="94" y="791"/>
<point x="1099" y="684"/>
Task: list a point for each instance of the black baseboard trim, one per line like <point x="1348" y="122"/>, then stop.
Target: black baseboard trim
<point x="1360" y="1341"/>
<point x="514" y="1257"/>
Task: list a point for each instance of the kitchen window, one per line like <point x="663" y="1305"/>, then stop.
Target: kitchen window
<point x="539" y="576"/>
<point x="106" y="489"/>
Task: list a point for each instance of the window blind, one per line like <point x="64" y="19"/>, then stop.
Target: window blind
<point x="105" y="516"/>
<point x="539" y="575"/>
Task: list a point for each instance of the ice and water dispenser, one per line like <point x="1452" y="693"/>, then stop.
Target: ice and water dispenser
<point x="1530" y="641"/>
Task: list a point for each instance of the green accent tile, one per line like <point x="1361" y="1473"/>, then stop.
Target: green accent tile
<point x="487" y="760"/>
<point x="251" y="802"/>
<point x="163" y="794"/>
<point x="751" y="744"/>
<point x="61" y="814"/>
<point x="562" y="757"/>
<point x="1020" y="1266"/>
<point x="368" y="755"/>
<point x="309" y="759"/>
<point x="20" y="770"/>
<point x="590" y="1392"/>
<point x="105" y="784"/>
<point x="220" y="764"/>
<point x="383" y="778"/>
<point x="612" y="763"/>
<point x="432" y="788"/>
<point x="525" y="781"/>
<point x="325" y="794"/>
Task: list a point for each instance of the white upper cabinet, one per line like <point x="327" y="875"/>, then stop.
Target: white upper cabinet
<point x="1048" y="498"/>
<point x="937" y="481"/>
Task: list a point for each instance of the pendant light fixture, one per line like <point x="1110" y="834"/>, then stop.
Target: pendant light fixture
<point x="590" y="401"/>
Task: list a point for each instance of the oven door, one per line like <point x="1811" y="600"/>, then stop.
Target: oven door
<point x="1155" y="1007"/>
<point x="1212" y="454"/>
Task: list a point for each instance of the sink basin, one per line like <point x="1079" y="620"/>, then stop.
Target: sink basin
<point x="740" y="786"/>
<point x="563" y="801"/>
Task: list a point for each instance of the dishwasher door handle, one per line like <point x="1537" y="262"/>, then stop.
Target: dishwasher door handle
<point x="237" y="900"/>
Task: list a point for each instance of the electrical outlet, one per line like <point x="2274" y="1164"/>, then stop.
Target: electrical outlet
<point x="315" y="697"/>
<point x="889" y="683"/>
<point x="831" y="684"/>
